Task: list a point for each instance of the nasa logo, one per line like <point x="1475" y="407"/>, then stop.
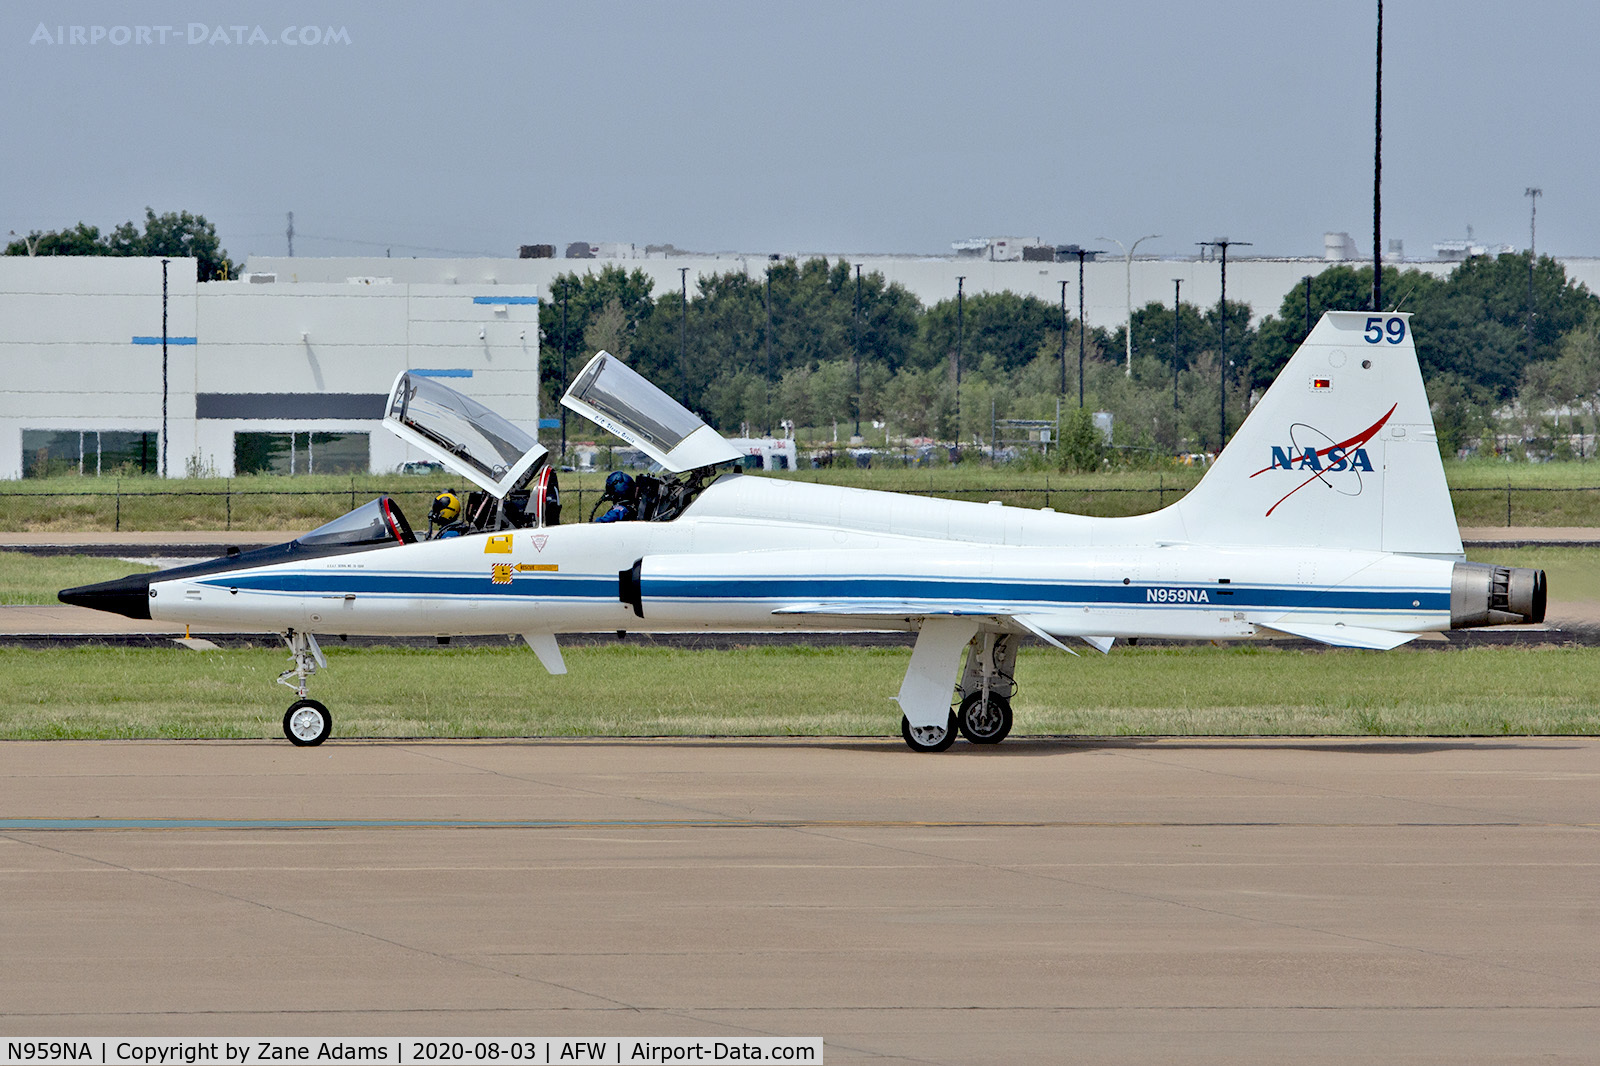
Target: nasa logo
<point x="1345" y="456"/>
<point x="1291" y="458"/>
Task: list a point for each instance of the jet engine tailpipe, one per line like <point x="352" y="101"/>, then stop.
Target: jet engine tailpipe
<point x="1485" y="595"/>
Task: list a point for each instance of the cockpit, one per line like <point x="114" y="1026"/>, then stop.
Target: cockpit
<point x="370" y="525"/>
<point x="516" y="483"/>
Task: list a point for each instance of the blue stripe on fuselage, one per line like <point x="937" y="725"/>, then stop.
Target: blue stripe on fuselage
<point x="1177" y="594"/>
<point x="328" y="583"/>
<point x="825" y="588"/>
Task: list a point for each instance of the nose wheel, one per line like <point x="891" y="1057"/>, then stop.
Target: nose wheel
<point x="307" y="723"/>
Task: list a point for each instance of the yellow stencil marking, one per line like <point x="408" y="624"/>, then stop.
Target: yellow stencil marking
<point x="499" y="544"/>
<point x="501" y="573"/>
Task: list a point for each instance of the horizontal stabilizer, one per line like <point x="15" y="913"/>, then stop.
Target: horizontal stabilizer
<point x="1048" y="627"/>
<point x="1343" y="636"/>
<point x="1024" y="621"/>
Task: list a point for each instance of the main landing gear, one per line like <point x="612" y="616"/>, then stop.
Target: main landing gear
<point x="306" y="723"/>
<point x="987" y="686"/>
<point x="929" y="737"/>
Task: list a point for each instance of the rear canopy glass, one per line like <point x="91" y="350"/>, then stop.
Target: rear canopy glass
<point x="616" y="391"/>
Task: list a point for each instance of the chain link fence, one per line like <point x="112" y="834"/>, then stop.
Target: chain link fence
<point x="300" y="510"/>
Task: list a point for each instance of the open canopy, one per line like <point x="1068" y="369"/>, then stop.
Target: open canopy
<point x="462" y="433"/>
<point x="614" y="397"/>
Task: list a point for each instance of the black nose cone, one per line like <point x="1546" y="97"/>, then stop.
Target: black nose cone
<point x="126" y="596"/>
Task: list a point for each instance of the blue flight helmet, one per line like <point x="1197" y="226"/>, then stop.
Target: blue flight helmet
<point x="619" y="486"/>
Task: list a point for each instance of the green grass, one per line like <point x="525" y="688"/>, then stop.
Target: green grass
<point x="1495" y="473"/>
<point x="1573" y="573"/>
<point x="639" y="691"/>
<point x="1548" y="494"/>
<point x="35" y="579"/>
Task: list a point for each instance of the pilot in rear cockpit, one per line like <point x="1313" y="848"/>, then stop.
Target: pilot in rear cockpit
<point x="624" y="497"/>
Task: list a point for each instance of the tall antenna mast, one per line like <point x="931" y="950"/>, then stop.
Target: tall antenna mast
<point x="1377" y="175"/>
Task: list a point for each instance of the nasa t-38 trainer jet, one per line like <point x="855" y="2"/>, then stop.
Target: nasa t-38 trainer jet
<point x="1326" y="518"/>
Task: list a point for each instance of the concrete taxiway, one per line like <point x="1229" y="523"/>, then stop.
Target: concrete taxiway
<point x="1049" y="900"/>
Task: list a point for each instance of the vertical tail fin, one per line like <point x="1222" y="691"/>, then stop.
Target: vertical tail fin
<point x="1340" y="452"/>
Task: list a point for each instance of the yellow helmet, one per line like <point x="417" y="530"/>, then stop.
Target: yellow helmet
<point x="445" y="507"/>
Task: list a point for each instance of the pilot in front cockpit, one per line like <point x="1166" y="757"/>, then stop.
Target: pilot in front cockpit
<point x="442" y="516"/>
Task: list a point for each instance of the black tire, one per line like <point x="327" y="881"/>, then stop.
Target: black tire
<point x="307" y="723"/>
<point x="985" y="723"/>
<point x="928" y="738"/>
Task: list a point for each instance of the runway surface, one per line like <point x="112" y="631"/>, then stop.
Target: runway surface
<point x="1048" y="900"/>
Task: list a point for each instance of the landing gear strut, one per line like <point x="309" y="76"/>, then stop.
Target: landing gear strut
<point x="306" y="723"/>
<point x="987" y="688"/>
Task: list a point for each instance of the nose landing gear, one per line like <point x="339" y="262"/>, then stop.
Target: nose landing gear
<point x="307" y="722"/>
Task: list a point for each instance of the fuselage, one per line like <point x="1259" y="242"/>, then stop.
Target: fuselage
<point x="755" y="553"/>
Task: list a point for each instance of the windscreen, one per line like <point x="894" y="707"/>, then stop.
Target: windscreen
<point x="614" y="390"/>
<point x="460" y="425"/>
<point x="367" y="524"/>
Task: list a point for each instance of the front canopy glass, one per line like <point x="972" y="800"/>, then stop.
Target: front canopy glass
<point x="462" y="433"/>
<point x="370" y="525"/>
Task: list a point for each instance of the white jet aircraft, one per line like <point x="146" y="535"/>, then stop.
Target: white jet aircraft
<point x="1326" y="518"/>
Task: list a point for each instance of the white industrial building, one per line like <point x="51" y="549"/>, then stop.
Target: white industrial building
<point x="1108" y="281"/>
<point x="260" y="376"/>
<point x="286" y="369"/>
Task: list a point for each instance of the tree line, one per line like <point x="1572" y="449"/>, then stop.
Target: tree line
<point x="175" y="234"/>
<point x="1508" y="348"/>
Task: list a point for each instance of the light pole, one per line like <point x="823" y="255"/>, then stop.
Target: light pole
<point x="1082" y="254"/>
<point x="1533" y="194"/>
<point x="164" y="263"/>
<point x="1221" y="244"/>
<point x="768" y="338"/>
<point x="961" y="282"/>
<point x="1063" y="336"/>
<point x="858" y="351"/>
<point x="1177" y="315"/>
<point x="1377" y="172"/>
<point x="683" y="331"/>
<point x="559" y="404"/>
<point x="1127" y="257"/>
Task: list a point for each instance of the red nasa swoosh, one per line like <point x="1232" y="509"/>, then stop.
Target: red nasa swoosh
<point x="1354" y="442"/>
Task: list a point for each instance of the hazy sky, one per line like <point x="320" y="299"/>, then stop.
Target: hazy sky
<point x="863" y="126"/>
